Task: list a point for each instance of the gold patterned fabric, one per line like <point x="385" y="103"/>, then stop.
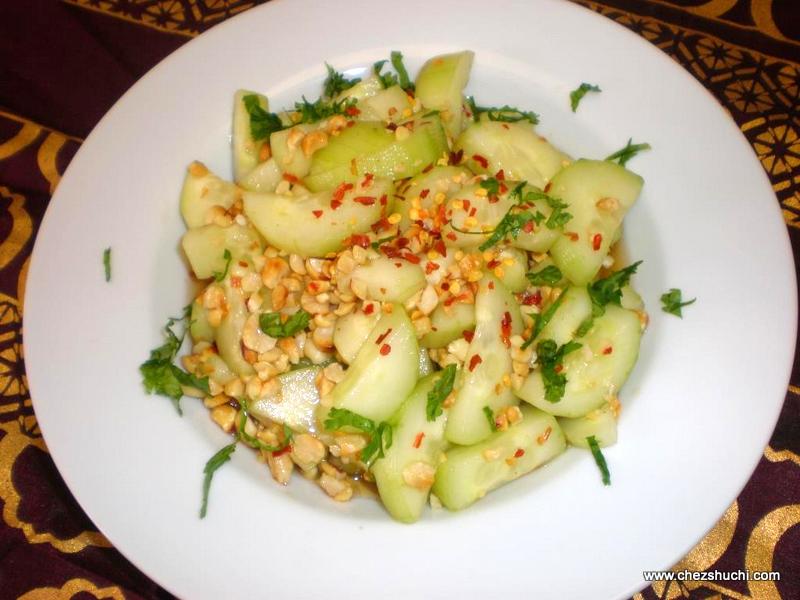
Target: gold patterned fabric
<point x="62" y="65"/>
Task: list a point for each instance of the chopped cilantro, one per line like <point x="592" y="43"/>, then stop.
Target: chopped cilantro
<point x="214" y="463"/>
<point x="311" y="112"/>
<point x="627" y="153"/>
<point x="336" y="83"/>
<point x="672" y="302"/>
<point x="490" y="417"/>
<point x="107" y="263"/>
<point x="380" y="435"/>
<point x="503" y="114"/>
<point x="599" y="459"/>
<point x="440" y="391"/>
<point x="226" y="256"/>
<point x="550" y="357"/>
<point x="491" y="185"/>
<point x="397" y="63"/>
<point x="606" y="291"/>
<point x="387" y="79"/>
<point x="270" y="323"/>
<point x="378" y="243"/>
<point x="559" y="217"/>
<point x="262" y="123"/>
<point x="576" y="95"/>
<point x="379" y="442"/>
<point x="544" y="318"/>
<point x="550" y="275"/>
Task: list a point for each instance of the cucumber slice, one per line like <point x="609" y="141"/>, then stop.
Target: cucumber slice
<point x="486" y="216"/>
<point x="573" y="310"/>
<point x="201" y="190"/>
<point x="542" y="237"/>
<point x="426" y="187"/>
<point x="513" y="147"/>
<point x="592" y="375"/>
<point x="449" y="323"/>
<point x="514" y="266"/>
<point x="599" y="194"/>
<point x="391" y="105"/>
<point x="482" y="385"/>
<point x="439" y="86"/>
<point x="366" y="88"/>
<point x="229" y="332"/>
<point x="600" y="423"/>
<point x="470" y="473"/>
<point x="631" y="299"/>
<point x="264" y="178"/>
<point x="425" y="363"/>
<point x="245" y="148"/>
<point x="205" y="247"/>
<point x="200" y="329"/>
<point x="417" y="446"/>
<point x="390" y="280"/>
<point x="290" y="158"/>
<point x="377" y="382"/>
<point x="308" y="225"/>
<point x="368" y="147"/>
<point x="294" y="403"/>
<point x="350" y="333"/>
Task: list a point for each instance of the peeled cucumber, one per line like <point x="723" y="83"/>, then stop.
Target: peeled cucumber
<point x="600" y="423"/>
<point x="469" y="473"/>
<point x="391" y="105"/>
<point x="229" y="332"/>
<point x="426" y="189"/>
<point x="390" y="279"/>
<point x="201" y="190"/>
<point x="440" y="84"/>
<point x="290" y="158"/>
<point x="350" y="333"/>
<point x="205" y="247"/>
<point x="263" y="178"/>
<point x="294" y="403"/>
<point x="200" y="329"/>
<point x="449" y="323"/>
<point x="467" y="226"/>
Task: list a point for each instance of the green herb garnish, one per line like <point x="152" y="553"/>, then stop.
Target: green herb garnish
<point x="336" y="83"/>
<point x="503" y="114"/>
<point x="490" y="417"/>
<point x="550" y="357"/>
<point x="380" y="435"/>
<point x="262" y="123"/>
<point x="227" y="258"/>
<point x="161" y="376"/>
<point x="311" y="112"/>
<point x="627" y="153"/>
<point x="511" y="224"/>
<point x="379" y="442"/>
<point x="672" y="302"/>
<point x="576" y="95"/>
<point x="271" y="324"/>
<point x="397" y="63"/>
<point x="107" y="263"/>
<point x="559" y="217"/>
<point x="544" y="318"/>
<point x="378" y="243"/>
<point x="550" y="275"/>
<point x="491" y="185"/>
<point x="606" y="291"/>
<point x="214" y="463"/>
<point x="252" y="441"/>
<point x="441" y="390"/>
<point x="387" y="79"/>
<point x="599" y="459"/>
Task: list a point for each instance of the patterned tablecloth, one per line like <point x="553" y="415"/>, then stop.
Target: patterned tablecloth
<point x="64" y="63"/>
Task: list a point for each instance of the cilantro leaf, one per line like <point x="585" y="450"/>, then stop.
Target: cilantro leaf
<point x="550" y="358"/>
<point x="576" y="95"/>
<point x="397" y="63"/>
<point x="440" y="391"/>
<point x="336" y="83"/>
<point x="544" y="318"/>
<point x="511" y="224"/>
<point x="599" y="459"/>
<point x="311" y="112"/>
<point x="379" y="442"/>
<point x="559" y="217"/>
<point x="490" y="417"/>
<point x="214" y="463"/>
<point x="672" y="302"/>
<point x="550" y="275"/>
<point x="271" y="324"/>
<point x="262" y="123"/>
<point x="491" y="185"/>
<point x="502" y="114"/>
<point x="338" y="418"/>
<point x="387" y="79"/>
<point x="628" y="152"/>
<point x="380" y="242"/>
<point x="190" y="380"/>
<point x="227" y="258"/>
<point x="107" y="263"/>
<point x="606" y="291"/>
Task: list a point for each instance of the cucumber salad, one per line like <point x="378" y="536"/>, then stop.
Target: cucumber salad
<point x="405" y="291"/>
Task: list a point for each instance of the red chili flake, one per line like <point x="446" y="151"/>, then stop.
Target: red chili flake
<point x="358" y="239"/>
<point x="338" y="194"/>
<point x="391" y="126"/>
<point x="430" y="267"/>
<point x="608" y="350"/>
<point x="534" y="299"/>
<point x="596" y="241"/>
<point x="505" y="126"/>
<point x="519" y="453"/>
<point x="335" y="204"/>
<point x="493" y="263"/>
<point x="351" y="123"/>
<point x="365" y="200"/>
<point x="474" y="361"/>
<point x="384" y="200"/>
<point x="528" y="227"/>
<point x="445" y="286"/>
<point x="571" y="235"/>
<point x="381" y="225"/>
<point x="401" y="242"/>
<point x="505" y="329"/>
<point x="468" y="335"/>
<point x="466" y="203"/>
<point x="391" y="251"/>
<point x="558" y="368"/>
<point x="439" y="246"/>
<point x="282" y="451"/>
<point x="398" y="265"/>
<point x="547" y="187"/>
<point x="317" y="213"/>
<point x="500" y="175"/>
<point x="424" y="193"/>
<point x="491" y="285"/>
<point x="472" y="211"/>
<point x="452" y="236"/>
<point x="369" y="309"/>
<point x="418" y="439"/>
<point x="503" y="188"/>
<point x="291" y="178"/>
<point x="412" y="258"/>
<point x="368" y="177"/>
<point x="385" y="349"/>
<point x="352" y="111"/>
<point x="455" y="158"/>
<point x="383" y="336"/>
<point x="480" y="160"/>
<point x="236" y="281"/>
<point x="428" y="169"/>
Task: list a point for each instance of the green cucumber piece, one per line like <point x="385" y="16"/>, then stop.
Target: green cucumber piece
<point x="350" y="333"/>
<point x="388" y="105"/>
<point x="542" y="237"/>
<point x="425" y="363"/>
<point x="440" y="84"/>
<point x="366" y="88"/>
<point x="294" y="403"/>
<point x="368" y="147"/>
<point x="449" y="323"/>
<point x="593" y="376"/>
<point x="200" y="329"/>
<point x="417" y="446"/>
<point x="598" y="194"/>
<point x="514" y="266"/>
<point x="291" y="158"/>
<point x="425" y="187"/>
<point x="200" y="192"/>
<point x="478" y="387"/>
<point x="487" y="215"/>
<point x="600" y="423"/>
<point x="390" y="280"/>
<point x="308" y="225"/>
<point x="229" y="332"/>
<point x="515" y="148"/>
<point x="469" y="473"/>
<point x="245" y="148"/>
<point x="205" y="247"/>
<point x="263" y="178"/>
<point x="377" y="383"/>
<point x="631" y="299"/>
<point x="573" y="310"/>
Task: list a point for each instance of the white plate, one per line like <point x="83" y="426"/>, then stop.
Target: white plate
<point x="698" y="409"/>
